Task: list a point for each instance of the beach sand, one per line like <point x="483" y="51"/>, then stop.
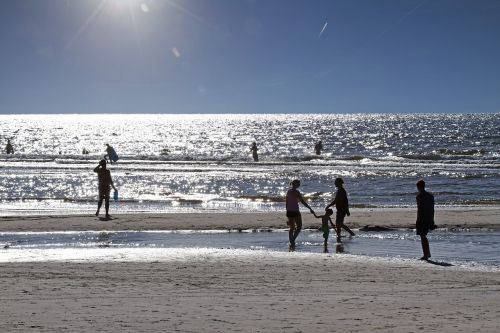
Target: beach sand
<point x="393" y="218"/>
<point x="223" y="291"/>
<point x="219" y="290"/>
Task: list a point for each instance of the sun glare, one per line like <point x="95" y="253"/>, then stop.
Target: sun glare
<point x="130" y="4"/>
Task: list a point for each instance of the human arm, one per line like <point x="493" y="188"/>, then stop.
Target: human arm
<point x="301" y="199"/>
<point x="348" y="213"/>
<point x="96" y="169"/>
<point x="331" y="204"/>
<point x="419" y="209"/>
<point x="111" y="182"/>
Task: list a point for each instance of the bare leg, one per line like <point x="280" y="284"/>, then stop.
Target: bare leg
<point x="295" y="227"/>
<point x="425" y="247"/>
<point x="291" y="240"/>
<point x="99" y="204"/>
<point x="338" y="229"/>
<point x="346" y="228"/>
<point x="106" y="205"/>
<point x="296" y="233"/>
<point x="290" y="235"/>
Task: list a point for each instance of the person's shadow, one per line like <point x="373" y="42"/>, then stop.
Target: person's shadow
<point x="439" y="263"/>
<point x="105" y="218"/>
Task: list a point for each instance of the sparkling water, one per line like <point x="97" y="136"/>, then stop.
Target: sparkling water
<point x="469" y="248"/>
<point x="179" y="163"/>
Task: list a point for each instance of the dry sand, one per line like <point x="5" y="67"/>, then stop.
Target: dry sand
<point x="246" y="291"/>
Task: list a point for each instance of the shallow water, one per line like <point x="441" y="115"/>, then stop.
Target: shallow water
<point x="448" y="247"/>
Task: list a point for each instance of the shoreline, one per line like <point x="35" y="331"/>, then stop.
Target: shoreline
<point x="397" y="218"/>
<point x="218" y="290"/>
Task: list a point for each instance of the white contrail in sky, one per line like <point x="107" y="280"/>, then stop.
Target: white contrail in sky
<point x="323" y="29"/>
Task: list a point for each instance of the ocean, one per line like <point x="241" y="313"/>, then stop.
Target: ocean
<point x="195" y="163"/>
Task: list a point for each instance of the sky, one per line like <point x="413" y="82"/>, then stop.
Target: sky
<point x="249" y="56"/>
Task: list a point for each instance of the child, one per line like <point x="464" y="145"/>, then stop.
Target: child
<point x="325" y="227"/>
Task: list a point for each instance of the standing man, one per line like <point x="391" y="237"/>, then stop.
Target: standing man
<point x="318" y="147"/>
<point x="9" y="149"/>
<point x="425" y="217"/>
<point x="254" y="149"/>
<point x="342" y="205"/>
<point x="105" y="182"/>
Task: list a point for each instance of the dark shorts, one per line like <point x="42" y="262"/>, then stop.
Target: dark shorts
<point x="294" y="219"/>
<point x="104" y="192"/>
<point x="290" y="213"/>
<point x="326" y="231"/>
<point x="339" y="219"/>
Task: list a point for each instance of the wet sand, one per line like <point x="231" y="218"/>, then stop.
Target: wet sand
<point x="392" y="218"/>
<point x="246" y="291"/>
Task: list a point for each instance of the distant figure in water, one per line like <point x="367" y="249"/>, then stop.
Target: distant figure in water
<point x="111" y="154"/>
<point x="8" y="148"/>
<point x="85" y="151"/>
<point x="325" y="227"/>
<point x="254" y="152"/>
<point x="105" y="182"/>
<point x="425" y="217"/>
<point x="293" y="197"/>
<point x="318" y="147"/>
<point x="342" y="204"/>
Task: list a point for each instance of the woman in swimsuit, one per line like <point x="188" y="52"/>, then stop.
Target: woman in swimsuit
<point x="293" y="197"/>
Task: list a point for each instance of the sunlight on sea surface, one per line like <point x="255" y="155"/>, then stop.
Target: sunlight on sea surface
<point x="203" y="162"/>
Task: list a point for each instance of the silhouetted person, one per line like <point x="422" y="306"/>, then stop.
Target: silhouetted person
<point x="293" y="197"/>
<point x="8" y="148"/>
<point x="318" y="147"/>
<point x="111" y="154"/>
<point x="325" y="227"/>
<point x="254" y="152"/>
<point x="85" y="151"/>
<point x="105" y="182"/>
<point x="425" y="217"/>
<point x="342" y="204"/>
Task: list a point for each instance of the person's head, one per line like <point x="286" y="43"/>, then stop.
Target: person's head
<point x="102" y="163"/>
<point x="328" y="212"/>
<point x="107" y="144"/>
<point x="420" y="185"/>
<point x="8" y="140"/>
<point x="295" y="183"/>
<point x="339" y="182"/>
